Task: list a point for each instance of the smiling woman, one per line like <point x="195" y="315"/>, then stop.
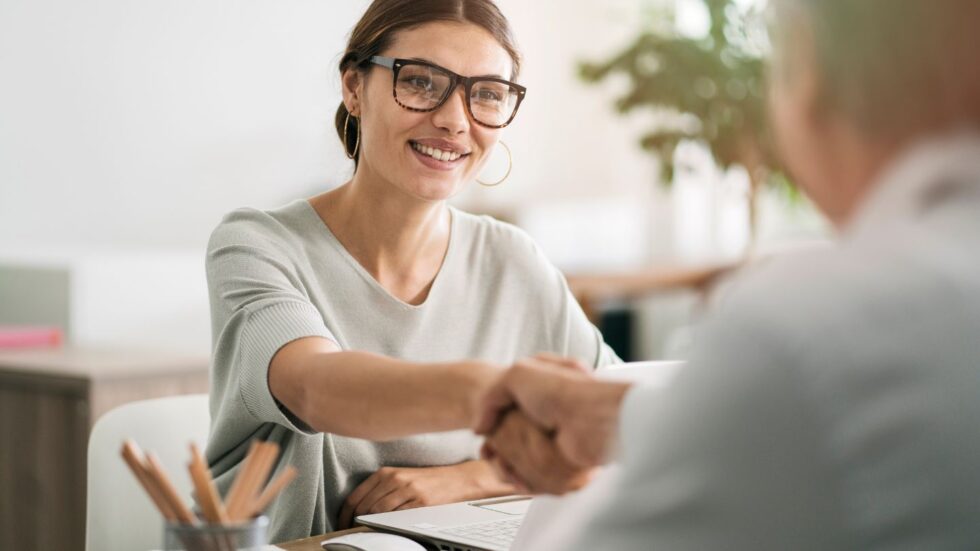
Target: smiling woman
<point x="358" y="328"/>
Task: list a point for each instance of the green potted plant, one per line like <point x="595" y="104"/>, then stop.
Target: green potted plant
<point x="710" y="89"/>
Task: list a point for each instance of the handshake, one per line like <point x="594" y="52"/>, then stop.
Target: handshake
<point x="548" y="423"/>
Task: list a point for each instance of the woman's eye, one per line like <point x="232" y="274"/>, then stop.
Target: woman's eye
<point x="420" y="83"/>
<point x="487" y="95"/>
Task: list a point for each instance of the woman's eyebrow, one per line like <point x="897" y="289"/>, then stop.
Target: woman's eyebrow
<point x="424" y="60"/>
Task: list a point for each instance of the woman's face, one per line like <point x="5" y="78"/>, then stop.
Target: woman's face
<point x="391" y="136"/>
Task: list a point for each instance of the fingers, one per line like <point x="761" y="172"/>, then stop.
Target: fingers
<point x="502" y="470"/>
<point x="497" y="400"/>
<point x="588" y="440"/>
<point x="411" y="504"/>
<point x="376" y="491"/>
<point x="354" y="499"/>
<point x="388" y="502"/>
<point x="508" y="475"/>
<point x="528" y="457"/>
<point x="487" y="452"/>
<point x="583" y="452"/>
<point x="562" y="361"/>
<point x="539" y="388"/>
<point x="535" y="385"/>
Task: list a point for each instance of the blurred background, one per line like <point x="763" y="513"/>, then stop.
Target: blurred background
<point x="641" y="165"/>
<point x="127" y="129"/>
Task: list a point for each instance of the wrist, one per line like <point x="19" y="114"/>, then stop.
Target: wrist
<point x="484" y="481"/>
<point x="478" y="378"/>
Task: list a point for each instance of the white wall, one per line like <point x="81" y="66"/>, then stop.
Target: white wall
<point x="137" y="124"/>
<point x="568" y="143"/>
<point x="128" y="127"/>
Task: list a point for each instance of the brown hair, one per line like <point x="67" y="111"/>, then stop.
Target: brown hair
<point x="894" y="68"/>
<point x="385" y="18"/>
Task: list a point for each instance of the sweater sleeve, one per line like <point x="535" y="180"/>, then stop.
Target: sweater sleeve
<point x="583" y="340"/>
<point x="567" y="330"/>
<point x="577" y="337"/>
<point x="258" y="305"/>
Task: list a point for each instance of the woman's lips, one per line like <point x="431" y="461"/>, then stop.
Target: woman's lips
<point x="434" y="163"/>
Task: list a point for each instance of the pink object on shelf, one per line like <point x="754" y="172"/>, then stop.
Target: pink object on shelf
<point x="29" y="337"/>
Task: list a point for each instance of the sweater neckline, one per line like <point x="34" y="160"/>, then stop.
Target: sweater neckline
<point x="367" y="277"/>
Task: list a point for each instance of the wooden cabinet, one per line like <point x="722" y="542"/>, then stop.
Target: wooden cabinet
<point x="49" y="400"/>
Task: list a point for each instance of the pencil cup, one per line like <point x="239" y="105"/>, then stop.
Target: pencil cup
<point x="216" y="537"/>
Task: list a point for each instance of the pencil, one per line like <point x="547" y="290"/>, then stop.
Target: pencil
<point x="207" y="494"/>
<point x="134" y="459"/>
<point x="157" y="471"/>
<point x="253" y="478"/>
<point x="273" y="489"/>
<point x="259" y="478"/>
<point x="234" y="496"/>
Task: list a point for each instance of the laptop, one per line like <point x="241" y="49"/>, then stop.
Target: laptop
<point x="497" y="524"/>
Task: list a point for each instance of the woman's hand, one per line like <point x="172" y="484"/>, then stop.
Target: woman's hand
<point x="531" y="460"/>
<point x="395" y="488"/>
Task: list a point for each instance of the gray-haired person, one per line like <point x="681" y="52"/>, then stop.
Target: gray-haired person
<point x="834" y="396"/>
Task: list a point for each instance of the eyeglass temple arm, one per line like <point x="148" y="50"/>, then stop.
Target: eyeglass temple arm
<point x="388" y="62"/>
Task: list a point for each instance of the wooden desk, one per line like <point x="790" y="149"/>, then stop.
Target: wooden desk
<point x="312" y="543"/>
<point x="49" y="400"/>
<point x="592" y="288"/>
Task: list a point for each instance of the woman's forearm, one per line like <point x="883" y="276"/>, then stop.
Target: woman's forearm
<point x="370" y="396"/>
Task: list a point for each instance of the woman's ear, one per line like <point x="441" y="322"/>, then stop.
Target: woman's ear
<point x="352" y="84"/>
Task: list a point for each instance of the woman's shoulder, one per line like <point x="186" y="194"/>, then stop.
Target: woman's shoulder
<point x="255" y="226"/>
<point x="494" y="233"/>
<point x="497" y="241"/>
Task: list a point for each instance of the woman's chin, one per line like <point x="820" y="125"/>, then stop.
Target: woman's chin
<point x="434" y="190"/>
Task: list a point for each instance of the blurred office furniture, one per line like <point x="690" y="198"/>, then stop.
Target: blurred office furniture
<point x="120" y="515"/>
<point x="645" y="313"/>
<point x="627" y="266"/>
<point x="49" y="400"/>
<point x="153" y="299"/>
<point x="593" y="288"/>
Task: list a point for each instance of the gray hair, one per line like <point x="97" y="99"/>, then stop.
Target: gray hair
<point x="892" y="67"/>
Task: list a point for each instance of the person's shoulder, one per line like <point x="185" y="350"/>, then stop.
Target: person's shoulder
<point x="248" y="225"/>
<point x="492" y="230"/>
<point x="497" y="240"/>
<point x="775" y="325"/>
<point x="830" y="292"/>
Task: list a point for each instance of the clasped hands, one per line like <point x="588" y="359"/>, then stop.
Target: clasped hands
<point x="548" y="424"/>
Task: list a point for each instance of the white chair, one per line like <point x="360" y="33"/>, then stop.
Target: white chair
<point x="120" y="516"/>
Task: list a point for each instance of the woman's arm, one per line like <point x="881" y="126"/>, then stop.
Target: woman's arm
<point x="369" y="396"/>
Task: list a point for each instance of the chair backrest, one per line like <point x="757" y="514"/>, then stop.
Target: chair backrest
<point x="120" y="516"/>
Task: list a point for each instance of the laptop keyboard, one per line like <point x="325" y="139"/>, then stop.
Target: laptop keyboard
<point x="499" y="533"/>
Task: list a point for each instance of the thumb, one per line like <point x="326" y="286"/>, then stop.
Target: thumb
<point x="562" y="361"/>
<point x="580" y="449"/>
<point x="495" y="401"/>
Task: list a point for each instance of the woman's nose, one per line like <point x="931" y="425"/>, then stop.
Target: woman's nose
<point x="452" y="115"/>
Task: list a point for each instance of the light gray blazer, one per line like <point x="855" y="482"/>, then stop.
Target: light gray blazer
<point x="833" y="401"/>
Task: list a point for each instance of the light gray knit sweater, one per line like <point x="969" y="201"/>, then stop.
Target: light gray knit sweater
<point x="276" y="276"/>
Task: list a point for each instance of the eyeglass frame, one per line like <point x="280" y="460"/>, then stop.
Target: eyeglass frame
<point x="396" y="64"/>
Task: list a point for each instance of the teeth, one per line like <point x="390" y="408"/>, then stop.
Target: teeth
<point x="437" y="154"/>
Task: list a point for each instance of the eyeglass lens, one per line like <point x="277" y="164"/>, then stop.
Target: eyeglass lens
<point x="424" y="87"/>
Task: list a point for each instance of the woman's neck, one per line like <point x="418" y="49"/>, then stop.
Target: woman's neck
<point x="400" y="240"/>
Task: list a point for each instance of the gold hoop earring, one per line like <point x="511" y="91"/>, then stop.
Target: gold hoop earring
<point x="357" y="140"/>
<point x="510" y="165"/>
